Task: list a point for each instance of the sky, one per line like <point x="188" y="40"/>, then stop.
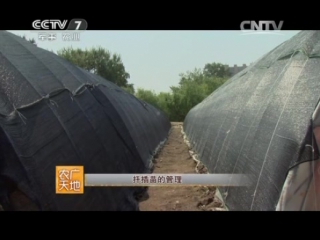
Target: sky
<point x="154" y="59"/>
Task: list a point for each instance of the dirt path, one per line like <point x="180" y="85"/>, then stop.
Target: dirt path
<point x="175" y="158"/>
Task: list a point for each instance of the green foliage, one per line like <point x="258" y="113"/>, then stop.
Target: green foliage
<point x="193" y="88"/>
<point x="216" y="70"/>
<point x="147" y="96"/>
<point x="101" y="62"/>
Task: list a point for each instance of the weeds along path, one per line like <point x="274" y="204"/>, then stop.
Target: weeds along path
<point x="175" y="158"/>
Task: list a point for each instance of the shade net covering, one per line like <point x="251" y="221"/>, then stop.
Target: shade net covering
<point x="54" y="113"/>
<point x="259" y="122"/>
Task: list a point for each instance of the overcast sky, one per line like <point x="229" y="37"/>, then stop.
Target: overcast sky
<point x="154" y="59"/>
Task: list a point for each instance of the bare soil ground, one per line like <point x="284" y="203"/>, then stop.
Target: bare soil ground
<point x="175" y="157"/>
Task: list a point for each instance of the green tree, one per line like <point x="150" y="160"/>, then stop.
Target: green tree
<point x="147" y="96"/>
<point x="99" y="61"/>
<point x="194" y="86"/>
<point x="216" y="70"/>
<point x="164" y="103"/>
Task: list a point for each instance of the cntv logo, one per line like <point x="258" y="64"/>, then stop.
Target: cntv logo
<point x="261" y="27"/>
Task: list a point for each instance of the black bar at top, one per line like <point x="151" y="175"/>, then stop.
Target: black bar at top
<point x="165" y="23"/>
